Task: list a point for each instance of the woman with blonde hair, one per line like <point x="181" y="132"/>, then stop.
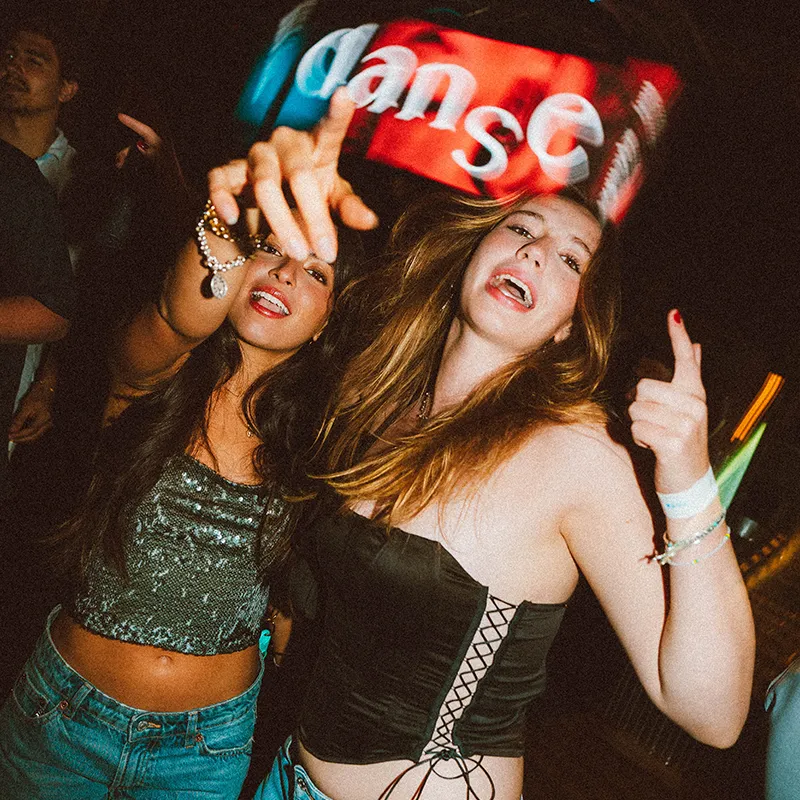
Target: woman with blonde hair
<point x="474" y="478"/>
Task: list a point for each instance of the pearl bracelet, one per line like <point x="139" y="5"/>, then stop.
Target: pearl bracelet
<point x="219" y="288"/>
<point x="691" y="501"/>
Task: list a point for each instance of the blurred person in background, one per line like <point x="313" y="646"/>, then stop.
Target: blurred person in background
<point x="783" y="749"/>
<point x="37" y="288"/>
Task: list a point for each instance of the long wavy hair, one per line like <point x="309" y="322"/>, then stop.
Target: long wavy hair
<point x="285" y="405"/>
<point x="558" y="383"/>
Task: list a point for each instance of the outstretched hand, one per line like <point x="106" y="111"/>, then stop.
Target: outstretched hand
<point x="308" y="161"/>
<point x="670" y="417"/>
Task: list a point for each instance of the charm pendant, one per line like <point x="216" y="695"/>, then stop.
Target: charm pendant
<point x="219" y="288"/>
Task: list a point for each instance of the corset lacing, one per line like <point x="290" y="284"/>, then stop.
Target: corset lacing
<point x="466" y="765"/>
<point x="442" y="747"/>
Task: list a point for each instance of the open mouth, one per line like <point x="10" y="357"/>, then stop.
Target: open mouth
<point x="269" y="302"/>
<point x="513" y="288"/>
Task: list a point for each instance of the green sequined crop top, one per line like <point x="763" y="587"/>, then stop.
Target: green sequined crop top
<point x="192" y="583"/>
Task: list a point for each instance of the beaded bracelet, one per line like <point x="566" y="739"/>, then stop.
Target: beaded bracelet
<point x="671" y="548"/>
<point x="704" y="556"/>
<point x="210" y="220"/>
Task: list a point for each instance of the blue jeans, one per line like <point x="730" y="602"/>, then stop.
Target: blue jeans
<point x="62" y="738"/>
<point x="783" y="751"/>
<point x="287" y="780"/>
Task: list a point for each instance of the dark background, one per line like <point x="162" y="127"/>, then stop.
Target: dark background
<point x="714" y="232"/>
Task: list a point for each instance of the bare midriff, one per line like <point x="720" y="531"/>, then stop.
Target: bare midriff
<point x="150" y="678"/>
<point x="368" y="781"/>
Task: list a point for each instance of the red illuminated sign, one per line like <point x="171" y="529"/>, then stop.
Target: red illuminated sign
<point x="490" y="117"/>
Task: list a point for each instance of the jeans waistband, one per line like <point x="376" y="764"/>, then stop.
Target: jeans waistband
<point x="303" y="787"/>
<point x="77" y="692"/>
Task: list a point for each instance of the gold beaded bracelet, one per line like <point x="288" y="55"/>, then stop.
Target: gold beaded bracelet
<point x="212" y="222"/>
<point x="209" y="220"/>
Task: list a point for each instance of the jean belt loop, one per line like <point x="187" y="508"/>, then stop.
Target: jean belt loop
<point x="193" y="735"/>
<point x="68" y="706"/>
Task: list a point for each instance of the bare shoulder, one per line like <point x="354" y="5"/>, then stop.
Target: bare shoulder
<point x="581" y="458"/>
<point x="579" y="443"/>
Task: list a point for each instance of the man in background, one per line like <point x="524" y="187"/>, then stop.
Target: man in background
<point x="37" y="76"/>
<point x="36" y="283"/>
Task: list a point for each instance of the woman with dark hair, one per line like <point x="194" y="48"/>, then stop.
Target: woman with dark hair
<point x="145" y="681"/>
<point x="474" y="478"/>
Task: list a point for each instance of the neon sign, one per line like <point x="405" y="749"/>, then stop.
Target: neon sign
<point x="485" y="116"/>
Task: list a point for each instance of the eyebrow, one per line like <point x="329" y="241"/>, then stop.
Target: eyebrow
<point x="314" y="256"/>
<point x="536" y="215"/>
<point x="30" y="51"/>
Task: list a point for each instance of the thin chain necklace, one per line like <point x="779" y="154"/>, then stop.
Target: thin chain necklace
<point x="424" y="406"/>
<point x="248" y="431"/>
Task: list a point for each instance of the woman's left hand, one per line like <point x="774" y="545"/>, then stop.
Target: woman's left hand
<point x="149" y="143"/>
<point x="670" y="417"/>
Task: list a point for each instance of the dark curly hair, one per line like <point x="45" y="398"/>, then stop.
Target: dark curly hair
<point x="286" y="405"/>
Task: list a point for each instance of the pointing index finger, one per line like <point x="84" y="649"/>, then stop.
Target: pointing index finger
<point x="333" y="127"/>
<point x="687" y="366"/>
<point x="138" y="127"/>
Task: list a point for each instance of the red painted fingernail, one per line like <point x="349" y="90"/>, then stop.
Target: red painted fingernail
<point x="142" y="145"/>
<point x="677" y="317"/>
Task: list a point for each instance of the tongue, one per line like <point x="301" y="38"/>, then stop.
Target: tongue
<point x="513" y="291"/>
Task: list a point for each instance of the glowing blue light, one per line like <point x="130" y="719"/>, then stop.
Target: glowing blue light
<point x="266" y="80"/>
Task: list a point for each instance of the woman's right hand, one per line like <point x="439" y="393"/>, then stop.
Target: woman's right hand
<point x="670" y="417"/>
<point x="34" y="416"/>
<point x="308" y="161"/>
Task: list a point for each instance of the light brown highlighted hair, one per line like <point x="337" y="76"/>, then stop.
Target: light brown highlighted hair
<point x="418" y="292"/>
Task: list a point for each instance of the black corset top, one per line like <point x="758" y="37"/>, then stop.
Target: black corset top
<point x="418" y="660"/>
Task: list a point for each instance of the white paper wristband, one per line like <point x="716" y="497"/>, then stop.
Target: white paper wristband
<point x="691" y="501"/>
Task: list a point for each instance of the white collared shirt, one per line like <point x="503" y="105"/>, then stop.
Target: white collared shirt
<point x="56" y="163"/>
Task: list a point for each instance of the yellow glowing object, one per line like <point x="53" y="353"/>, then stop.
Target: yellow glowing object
<point x="762" y="401"/>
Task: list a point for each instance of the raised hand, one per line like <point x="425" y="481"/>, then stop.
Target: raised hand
<point x="308" y="162"/>
<point x="149" y="144"/>
<point x="670" y="417"/>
